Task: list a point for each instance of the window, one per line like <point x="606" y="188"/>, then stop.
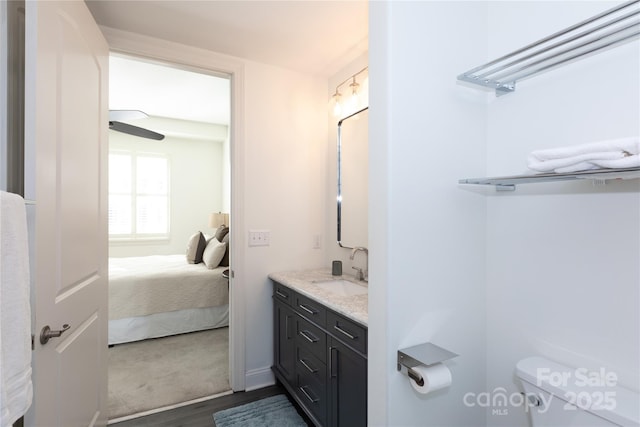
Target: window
<point x="138" y="196"/>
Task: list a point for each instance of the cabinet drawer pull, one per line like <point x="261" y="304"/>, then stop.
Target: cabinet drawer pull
<point x="313" y="371"/>
<point x="302" y="389"/>
<point x="339" y="329"/>
<point x="307" y="309"/>
<point x="331" y="362"/>
<point x="286" y="326"/>
<point x="281" y="295"/>
<point x="308" y="336"/>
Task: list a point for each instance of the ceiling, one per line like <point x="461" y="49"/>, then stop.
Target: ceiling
<point x="168" y="92"/>
<point x="314" y="37"/>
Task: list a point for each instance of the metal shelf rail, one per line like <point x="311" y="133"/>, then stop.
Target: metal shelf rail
<point x="508" y="183"/>
<point x="608" y="29"/>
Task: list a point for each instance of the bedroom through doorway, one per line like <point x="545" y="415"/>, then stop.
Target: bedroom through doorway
<point x="169" y="210"/>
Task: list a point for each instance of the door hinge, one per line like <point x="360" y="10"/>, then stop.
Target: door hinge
<point x="33" y="345"/>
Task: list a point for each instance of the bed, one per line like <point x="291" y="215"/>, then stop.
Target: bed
<point x="161" y="295"/>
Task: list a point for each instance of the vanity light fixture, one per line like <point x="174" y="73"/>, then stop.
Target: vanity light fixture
<point x="342" y="107"/>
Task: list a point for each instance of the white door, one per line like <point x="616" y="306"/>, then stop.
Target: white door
<point x="66" y="133"/>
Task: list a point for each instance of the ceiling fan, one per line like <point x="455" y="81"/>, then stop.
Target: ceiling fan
<point x="115" y="124"/>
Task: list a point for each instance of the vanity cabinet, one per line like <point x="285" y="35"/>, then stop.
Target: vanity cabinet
<point x="320" y="357"/>
<point x="348" y="386"/>
<point x="284" y="345"/>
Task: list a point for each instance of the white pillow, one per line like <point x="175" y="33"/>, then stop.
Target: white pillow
<point x="195" y="248"/>
<point x="213" y="253"/>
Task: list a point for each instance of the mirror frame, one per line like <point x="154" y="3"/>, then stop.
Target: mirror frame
<point x="339" y="197"/>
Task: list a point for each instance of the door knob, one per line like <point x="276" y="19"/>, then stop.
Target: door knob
<point x="46" y="334"/>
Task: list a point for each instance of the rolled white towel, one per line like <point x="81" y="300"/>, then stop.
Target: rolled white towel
<point x="630" y="145"/>
<point x="617" y="153"/>
<point x="572" y="164"/>
<point x="622" y="163"/>
<point x="625" y="162"/>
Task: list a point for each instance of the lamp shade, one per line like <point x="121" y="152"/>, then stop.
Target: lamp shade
<point x="218" y="219"/>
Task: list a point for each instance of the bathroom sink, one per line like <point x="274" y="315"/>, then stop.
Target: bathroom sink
<point x="342" y="287"/>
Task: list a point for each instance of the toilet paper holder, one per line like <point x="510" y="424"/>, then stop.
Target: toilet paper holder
<point x="422" y="354"/>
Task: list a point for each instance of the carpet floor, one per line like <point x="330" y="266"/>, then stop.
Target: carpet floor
<point x="160" y="372"/>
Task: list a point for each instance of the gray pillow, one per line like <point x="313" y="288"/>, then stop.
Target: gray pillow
<point x="221" y="232"/>
<point x="195" y="248"/>
<point x="225" y="259"/>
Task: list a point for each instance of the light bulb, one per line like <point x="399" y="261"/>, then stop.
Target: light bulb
<point x="352" y="102"/>
<point x="337" y="107"/>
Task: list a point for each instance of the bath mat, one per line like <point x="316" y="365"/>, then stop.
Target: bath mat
<point x="274" y="411"/>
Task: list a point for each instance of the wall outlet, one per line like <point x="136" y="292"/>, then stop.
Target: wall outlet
<point x="317" y="244"/>
<point x="259" y="237"/>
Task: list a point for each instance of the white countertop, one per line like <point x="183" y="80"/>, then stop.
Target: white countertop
<point x="355" y="307"/>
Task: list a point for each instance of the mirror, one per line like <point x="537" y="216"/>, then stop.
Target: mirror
<point x="353" y="180"/>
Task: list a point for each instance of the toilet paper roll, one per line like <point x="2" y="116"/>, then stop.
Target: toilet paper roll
<point x="435" y="377"/>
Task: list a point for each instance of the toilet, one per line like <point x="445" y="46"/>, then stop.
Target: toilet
<point x="562" y="396"/>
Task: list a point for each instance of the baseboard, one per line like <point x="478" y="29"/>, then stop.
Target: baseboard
<point x="167" y="408"/>
<point x="259" y="378"/>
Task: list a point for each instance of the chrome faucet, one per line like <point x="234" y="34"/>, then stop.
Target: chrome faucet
<point x="362" y="274"/>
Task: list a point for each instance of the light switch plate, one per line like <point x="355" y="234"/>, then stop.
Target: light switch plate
<point x="259" y="237"/>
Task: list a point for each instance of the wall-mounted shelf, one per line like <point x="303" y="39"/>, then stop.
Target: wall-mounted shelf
<point x="608" y="29"/>
<point x="508" y="183"/>
<point x="426" y="354"/>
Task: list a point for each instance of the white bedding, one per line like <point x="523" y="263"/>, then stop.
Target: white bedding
<point x="162" y="295"/>
<point x="140" y="286"/>
<point x="165" y="324"/>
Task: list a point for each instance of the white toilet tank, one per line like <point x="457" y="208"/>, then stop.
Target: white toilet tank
<point x="561" y="396"/>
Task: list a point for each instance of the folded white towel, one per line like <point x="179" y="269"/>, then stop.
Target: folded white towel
<point x="617" y="153"/>
<point x="620" y="163"/>
<point x="15" y="314"/>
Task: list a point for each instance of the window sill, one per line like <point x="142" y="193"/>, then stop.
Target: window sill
<point x="127" y="241"/>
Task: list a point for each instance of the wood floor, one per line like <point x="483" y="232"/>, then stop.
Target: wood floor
<point x="201" y="414"/>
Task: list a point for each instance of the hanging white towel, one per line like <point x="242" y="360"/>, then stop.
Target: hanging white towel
<point x="15" y="313"/>
<point x="615" y="153"/>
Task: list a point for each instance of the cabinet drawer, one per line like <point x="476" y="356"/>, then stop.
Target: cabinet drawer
<point x="310" y="309"/>
<point x="348" y="331"/>
<point x="308" y="363"/>
<point x="313" y="395"/>
<point x="312" y="338"/>
<point x="282" y="293"/>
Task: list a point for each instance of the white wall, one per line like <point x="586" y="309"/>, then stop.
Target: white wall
<point x="278" y="183"/>
<point x="196" y="169"/>
<point x="332" y="250"/>
<point x="427" y="238"/>
<point x="551" y="269"/>
<point x="562" y="258"/>
<point x="284" y="173"/>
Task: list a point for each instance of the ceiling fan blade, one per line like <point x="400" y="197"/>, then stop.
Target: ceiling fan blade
<point x="120" y="115"/>
<point x="135" y="130"/>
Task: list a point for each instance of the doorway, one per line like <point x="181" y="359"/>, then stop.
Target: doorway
<point x="165" y="195"/>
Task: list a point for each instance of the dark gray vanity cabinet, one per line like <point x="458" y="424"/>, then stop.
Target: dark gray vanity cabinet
<point x="321" y="358"/>
<point x="348" y="386"/>
<point x="284" y="344"/>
